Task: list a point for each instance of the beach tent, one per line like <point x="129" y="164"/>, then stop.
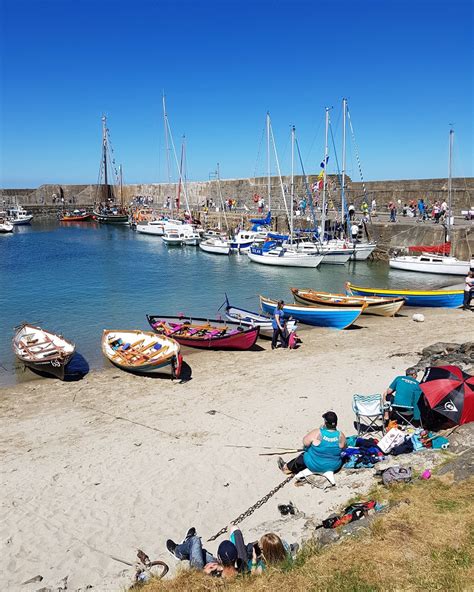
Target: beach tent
<point x="448" y="397"/>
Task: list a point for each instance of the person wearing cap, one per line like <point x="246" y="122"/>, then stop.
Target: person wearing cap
<point x="226" y="566"/>
<point x="404" y="392"/>
<point x="322" y="449"/>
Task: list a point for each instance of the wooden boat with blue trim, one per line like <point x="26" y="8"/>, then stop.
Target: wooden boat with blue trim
<point x="205" y="333"/>
<point x="319" y="316"/>
<point x="422" y="298"/>
<point x="382" y="307"/>
<point x="142" y="352"/>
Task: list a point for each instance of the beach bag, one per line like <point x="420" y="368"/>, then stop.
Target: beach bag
<point x="397" y="474"/>
<point x="391" y="439"/>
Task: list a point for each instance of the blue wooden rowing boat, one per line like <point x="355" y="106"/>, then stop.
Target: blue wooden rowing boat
<point x="324" y="316"/>
<point x="429" y="298"/>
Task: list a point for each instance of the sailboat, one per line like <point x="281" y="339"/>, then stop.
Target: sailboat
<point x="286" y="255"/>
<point x="429" y="262"/>
<point x="106" y="210"/>
<point x="362" y="250"/>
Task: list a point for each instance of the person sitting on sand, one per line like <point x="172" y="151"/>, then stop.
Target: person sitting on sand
<point x="191" y="550"/>
<point x="404" y="391"/>
<point x="322" y="449"/>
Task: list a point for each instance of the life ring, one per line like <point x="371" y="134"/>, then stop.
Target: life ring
<point x="256" y="197"/>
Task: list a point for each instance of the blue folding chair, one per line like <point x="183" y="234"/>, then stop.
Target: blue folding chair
<point x="369" y="412"/>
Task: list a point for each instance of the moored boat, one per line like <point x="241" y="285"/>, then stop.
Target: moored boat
<point x="319" y="316"/>
<point x="427" y="263"/>
<point x="254" y="319"/>
<point x="205" y="333"/>
<point x="384" y="307"/>
<point x="428" y="298"/>
<point x="173" y="237"/>
<point x="5" y="224"/>
<point x="217" y="246"/>
<point x="42" y="350"/>
<point x="18" y="216"/>
<point x="142" y="352"/>
<point x="75" y="216"/>
<point x="273" y="254"/>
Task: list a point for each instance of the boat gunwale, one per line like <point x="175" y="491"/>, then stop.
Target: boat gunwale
<point x="375" y="291"/>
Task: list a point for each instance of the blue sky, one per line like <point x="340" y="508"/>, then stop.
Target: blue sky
<point x="406" y="68"/>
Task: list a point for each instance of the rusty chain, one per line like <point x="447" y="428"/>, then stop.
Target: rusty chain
<point x="252" y="509"/>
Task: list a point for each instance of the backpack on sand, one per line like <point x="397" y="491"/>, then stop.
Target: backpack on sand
<point x="397" y="474"/>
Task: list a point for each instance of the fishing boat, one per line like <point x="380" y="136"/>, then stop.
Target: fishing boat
<point x="75" y="216"/>
<point x="428" y="298"/>
<point x="173" y="237"/>
<point x="272" y="253"/>
<point x="383" y="307"/>
<point x="5" y="224"/>
<point x="18" y="216"/>
<point x="192" y="239"/>
<point x="428" y="262"/>
<point x="205" y="333"/>
<point x="42" y="350"/>
<point x="217" y="246"/>
<point x="254" y="319"/>
<point x="106" y="210"/>
<point x="319" y="316"/>
<point x="142" y="352"/>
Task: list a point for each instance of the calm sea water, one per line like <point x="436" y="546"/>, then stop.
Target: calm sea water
<point x="78" y="279"/>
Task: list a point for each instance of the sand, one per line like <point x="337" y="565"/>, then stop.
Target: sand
<point x="116" y="462"/>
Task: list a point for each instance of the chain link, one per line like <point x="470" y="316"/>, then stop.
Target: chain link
<point x="252" y="509"/>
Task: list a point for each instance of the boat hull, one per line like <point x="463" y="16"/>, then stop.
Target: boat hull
<point x="251" y="319"/>
<point x="420" y="298"/>
<point x="215" y="249"/>
<point x="111" y="219"/>
<point x="152" y="229"/>
<point x="22" y="221"/>
<point x="437" y="265"/>
<point x="334" y="318"/>
<point x="383" y="307"/>
<point x="168" y="363"/>
<point x="240" y="338"/>
<point x="286" y="260"/>
<point x="337" y="256"/>
<point x="76" y="218"/>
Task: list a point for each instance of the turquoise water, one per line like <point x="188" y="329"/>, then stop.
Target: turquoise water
<point x="78" y="279"/>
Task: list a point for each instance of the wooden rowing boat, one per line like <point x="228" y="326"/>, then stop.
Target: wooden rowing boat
<point x="430" y="298"/>
<point x="384" y="307"/>
<point x="42" y="350"/>
<point x="142" y="352"/>
<point x="253" y="319"/>
<point x="205" y="333"/>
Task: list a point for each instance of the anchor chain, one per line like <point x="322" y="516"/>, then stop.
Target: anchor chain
<point x="252" y="509"/>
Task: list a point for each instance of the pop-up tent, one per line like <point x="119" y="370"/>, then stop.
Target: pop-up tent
<point x="448" y="397"/>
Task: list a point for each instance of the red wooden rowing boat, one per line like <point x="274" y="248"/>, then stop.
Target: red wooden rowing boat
<point x="205" y="333"/>
<point x="75" y="217"/>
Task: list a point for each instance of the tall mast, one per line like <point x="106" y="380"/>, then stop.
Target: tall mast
<point x="343" y="180"/>
<point x="269" y="195"/>
<point x="323" y="213"/>
<point x="167" y="148"/>
<point x="220" y="196"/>
<point x="121" y="185"/>
<point x="292" y="188"/>
<point x="104" y="155"/>
<point x="450" y="180"/>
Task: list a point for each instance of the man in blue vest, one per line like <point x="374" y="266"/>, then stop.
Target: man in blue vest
<point x="404" y="392"/>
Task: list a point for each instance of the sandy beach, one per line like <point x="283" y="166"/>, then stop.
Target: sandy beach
<point x="98" y="468"/>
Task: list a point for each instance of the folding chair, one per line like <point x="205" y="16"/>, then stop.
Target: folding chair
<point x="402" y="413"/>
<point x="369" y="412"/>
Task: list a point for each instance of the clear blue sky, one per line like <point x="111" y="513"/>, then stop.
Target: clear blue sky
<point x="405" y="66"/>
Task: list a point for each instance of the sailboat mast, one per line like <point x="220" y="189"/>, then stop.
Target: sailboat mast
<point x="220" y="196"/>
<point x="269" y="195"/>
<point x="343" y="180"/>
<point x="121" y="185"/>
<point x="292" y="190"/>
<point x="325" y="162"/>
<point x="180" y="173"/>
<point x="104" y="155"/>
<point x="167" y="147"/>
<point x="450" y="181"/>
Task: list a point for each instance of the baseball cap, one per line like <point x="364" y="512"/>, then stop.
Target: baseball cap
<point x="227" y="553"/>
<point x="330" y="418"/>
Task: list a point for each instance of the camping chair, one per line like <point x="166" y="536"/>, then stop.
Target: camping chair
<point x="369" y="412"/>
<point x="403" y="414"/>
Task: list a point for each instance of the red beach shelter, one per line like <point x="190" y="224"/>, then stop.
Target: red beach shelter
<point x="448" y="396"/>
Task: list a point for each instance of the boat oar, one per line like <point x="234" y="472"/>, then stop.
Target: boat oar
<point x="286" y="451"/>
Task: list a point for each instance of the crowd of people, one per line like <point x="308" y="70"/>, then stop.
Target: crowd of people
<point x="421" y="210"/>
